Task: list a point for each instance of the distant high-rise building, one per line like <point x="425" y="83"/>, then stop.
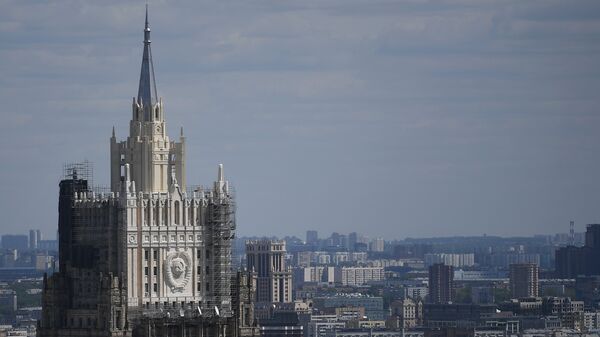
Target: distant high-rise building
<point x="592" y="236"/>
<point x="335" y="239"/>
<point x="441" y="283"/>
<point x="377" y="245"/>
<point x="33" y="241"/>
<point x="357" y="276"/>
<point x="312" y="237"/>
<point x="574" y="261"/>
<point x="266" y="258"/>
<point x="523" y="280"/>
<point x="352" y="240"/>
<point x="454" y="260"/>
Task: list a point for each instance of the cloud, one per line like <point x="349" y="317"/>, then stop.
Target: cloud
<point x="424" y="117"/>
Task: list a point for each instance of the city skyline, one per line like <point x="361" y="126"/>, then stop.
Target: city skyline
<point x="397" y="119"/>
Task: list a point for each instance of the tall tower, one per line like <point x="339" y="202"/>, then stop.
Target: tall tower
<point x="441" y="283"/>
<point x="523" y="280"/>
<point x="153" y="158"/>
<point x="150" y="249"/>
<point x="267" y="259"/>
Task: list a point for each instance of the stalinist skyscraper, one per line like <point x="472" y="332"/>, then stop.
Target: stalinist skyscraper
<point x="150" y="253"/>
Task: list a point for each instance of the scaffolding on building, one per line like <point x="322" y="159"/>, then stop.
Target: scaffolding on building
<point x="221" y="226"/>
<point x="83" y="170"/>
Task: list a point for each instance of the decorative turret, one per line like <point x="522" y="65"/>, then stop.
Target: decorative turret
<point x="221" y="185"/>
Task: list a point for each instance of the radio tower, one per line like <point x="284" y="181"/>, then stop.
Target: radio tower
<point x="572" y="233"/>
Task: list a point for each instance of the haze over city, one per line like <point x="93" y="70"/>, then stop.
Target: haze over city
<point x="390" y="118"/>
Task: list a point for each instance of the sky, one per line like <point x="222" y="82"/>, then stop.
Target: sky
<point x="394" y="119"/>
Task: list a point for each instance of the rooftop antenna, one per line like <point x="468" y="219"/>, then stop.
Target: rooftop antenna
<point x="572" y="233"/>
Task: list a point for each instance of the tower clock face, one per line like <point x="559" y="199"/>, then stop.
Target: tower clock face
<point x="158" y="128"/>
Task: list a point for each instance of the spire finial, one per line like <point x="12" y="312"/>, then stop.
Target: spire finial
<point x="113" y="131"/>
<point x="147" y="94"/>
<point x="146" y="28"/>
<point x="221" y="174"/>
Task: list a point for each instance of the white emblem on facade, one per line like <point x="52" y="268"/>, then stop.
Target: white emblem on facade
<point x="177" y="270"/>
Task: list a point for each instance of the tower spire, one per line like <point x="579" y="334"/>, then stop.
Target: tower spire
<point x="147" y="93"/>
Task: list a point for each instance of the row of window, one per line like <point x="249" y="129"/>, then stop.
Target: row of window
<point x="155" y="287"/>
<point x="174" y="304"/>
<point x="155" y="254"/>
<point x="153" y="215"/>
<point x="173" y="238"/>
<point x="154" y="272"/>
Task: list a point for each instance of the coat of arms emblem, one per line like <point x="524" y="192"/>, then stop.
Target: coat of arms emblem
<point x="178" y="271"/>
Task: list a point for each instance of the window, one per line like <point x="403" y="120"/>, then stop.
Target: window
<point x="199" y="286"/>
<point x="155" y="255"/>
<point x="155" y="287"/>
<point x="146" y="271"/>
<point x="198" y="254"/>
<point x="146" y="254"/>
<point x="146" y="287"/>
<point x="148" y="214"/>
<point x="156" y="218"/>
<point x="155" y="271"/>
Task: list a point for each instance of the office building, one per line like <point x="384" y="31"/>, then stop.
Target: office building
<point x="33" y="239"/>
<point x="266" y="258"/>
<point x="312" y="237"/>
<point x="454" y="260"/>
<point x="377" y="245"/>
<point x="574" y="261"/>
<point x="357" y="276"/>
<point x="523" y="279"/>
<point x="441" y="283"/>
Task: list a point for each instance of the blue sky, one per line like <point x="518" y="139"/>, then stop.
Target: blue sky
<point x="390" y="118"/>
